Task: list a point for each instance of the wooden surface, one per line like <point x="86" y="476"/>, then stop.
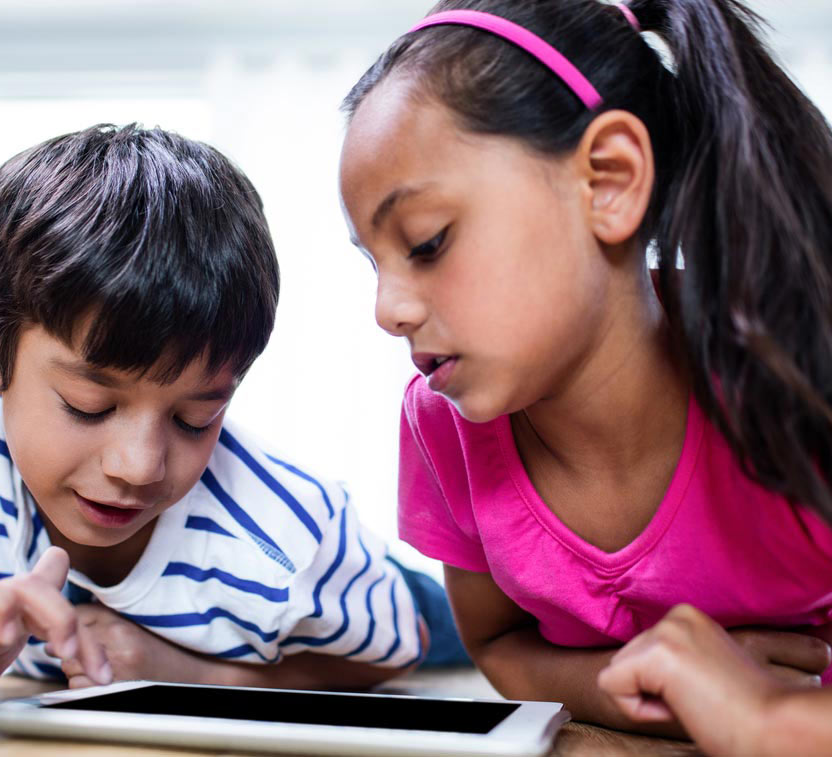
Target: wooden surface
<point x="574" y="740"/>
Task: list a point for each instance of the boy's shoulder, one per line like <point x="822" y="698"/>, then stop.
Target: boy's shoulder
<point x="250" y="492"/>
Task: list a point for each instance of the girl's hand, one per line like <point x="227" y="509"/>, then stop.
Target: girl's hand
<point x="32" y="605"/>
<point x="689" y="667"/>
<point x="796" y="659"/>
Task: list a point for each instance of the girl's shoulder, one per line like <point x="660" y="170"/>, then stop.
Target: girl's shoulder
<point x="432" y="414"/>
<point x="449" y="443"/>
<point x="422" y="406"/>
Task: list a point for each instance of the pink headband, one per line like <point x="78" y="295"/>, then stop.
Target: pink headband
<point x="625" y="8"/>
<point x="529" y="42"/>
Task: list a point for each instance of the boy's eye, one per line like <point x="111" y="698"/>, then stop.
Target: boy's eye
<point x="84" y="416"/>
<point x="429" y="249"/>
<point x="94" y="417"/>
<point x="189" y="429"/>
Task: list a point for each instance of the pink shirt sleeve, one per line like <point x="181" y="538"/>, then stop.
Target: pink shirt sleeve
<point x="431" y="469"/>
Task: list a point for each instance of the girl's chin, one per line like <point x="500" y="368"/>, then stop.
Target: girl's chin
<point x="477" y="412"/>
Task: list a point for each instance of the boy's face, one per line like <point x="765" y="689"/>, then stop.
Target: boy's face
<point x="104" y="452"/>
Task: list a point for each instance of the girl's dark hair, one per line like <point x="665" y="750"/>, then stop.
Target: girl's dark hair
<point x="160" y="239"/>
<point x="743" y="188"/>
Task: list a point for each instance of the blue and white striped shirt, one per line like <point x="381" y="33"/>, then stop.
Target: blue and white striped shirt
<point x="259" y="560"/>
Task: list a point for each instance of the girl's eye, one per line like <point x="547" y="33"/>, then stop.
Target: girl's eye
<point x="84" y="416"/>
<point x="429" y="249"/>
<point x="189" y="429"/>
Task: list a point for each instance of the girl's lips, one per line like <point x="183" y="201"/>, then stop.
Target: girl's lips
<point x="439" y="377"/>
<point x="107" y="515"/>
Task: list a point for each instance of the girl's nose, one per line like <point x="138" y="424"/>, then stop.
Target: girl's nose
<point x="399" y="309"/>
<point x="135" y="455"/>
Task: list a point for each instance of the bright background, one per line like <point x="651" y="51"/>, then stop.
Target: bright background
<point x="262" y="81"/>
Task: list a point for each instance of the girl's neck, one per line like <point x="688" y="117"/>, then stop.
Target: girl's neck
<point x="627" y="404"/>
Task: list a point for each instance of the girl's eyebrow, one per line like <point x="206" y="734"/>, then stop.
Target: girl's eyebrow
<point x="388" y="203"/>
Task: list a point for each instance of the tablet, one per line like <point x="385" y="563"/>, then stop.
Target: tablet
<point x="278" y="720"/>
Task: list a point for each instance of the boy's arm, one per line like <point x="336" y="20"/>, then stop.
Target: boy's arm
<point x="135" y="653"/>
<point x="504" y="642"/>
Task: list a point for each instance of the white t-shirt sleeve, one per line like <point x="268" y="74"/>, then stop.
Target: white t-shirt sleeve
<point x="351" y="601"/>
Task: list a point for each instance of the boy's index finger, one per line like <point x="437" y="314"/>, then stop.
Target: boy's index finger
<point x="53" y="567"/>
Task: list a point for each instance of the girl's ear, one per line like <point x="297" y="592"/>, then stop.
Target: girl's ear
<point x="616" y="160"/>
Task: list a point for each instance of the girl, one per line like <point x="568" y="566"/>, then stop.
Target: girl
<point x="582" y="453"/>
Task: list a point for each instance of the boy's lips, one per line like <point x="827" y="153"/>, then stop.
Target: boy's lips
<point x="111" y="514"/>
<point x="436" y="368"/>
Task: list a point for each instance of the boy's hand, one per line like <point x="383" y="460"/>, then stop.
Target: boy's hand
<point x="136" y="653"/>
<point x="133" y="652"/>
<point x="32" y="605"/>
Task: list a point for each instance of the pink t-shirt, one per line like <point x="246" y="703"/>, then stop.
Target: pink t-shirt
<point x="740" y="553"/>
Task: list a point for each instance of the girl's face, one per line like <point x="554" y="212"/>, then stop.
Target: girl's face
<point x="486" y="262"/>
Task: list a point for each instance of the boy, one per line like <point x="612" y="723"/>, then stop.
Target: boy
<point x="139" y="283"/>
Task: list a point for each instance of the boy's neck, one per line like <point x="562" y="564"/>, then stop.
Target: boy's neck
<point x="104" y="566"/>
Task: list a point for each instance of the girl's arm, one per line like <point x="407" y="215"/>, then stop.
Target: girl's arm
<point x="688" y="666"/>
<point x="506" y="646"/>
<point x="504" y="642"/>
<point x="136" y="653"/>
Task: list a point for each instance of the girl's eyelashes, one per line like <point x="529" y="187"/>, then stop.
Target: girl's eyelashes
<point x="430" y="249"/>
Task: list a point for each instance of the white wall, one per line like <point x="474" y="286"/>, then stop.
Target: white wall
<point x="262" y="81"/>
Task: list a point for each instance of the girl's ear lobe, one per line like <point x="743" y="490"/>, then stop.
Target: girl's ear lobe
<point x="617" y="162"/>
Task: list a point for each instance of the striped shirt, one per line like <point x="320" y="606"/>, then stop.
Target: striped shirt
<point x="259" y="560"/>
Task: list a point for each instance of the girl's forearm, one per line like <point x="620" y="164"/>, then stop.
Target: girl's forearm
<point x="521" y="664"/>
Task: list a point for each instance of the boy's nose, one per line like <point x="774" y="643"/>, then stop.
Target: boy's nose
<point x="137" y="456"/>
<point x="399" y="310"/>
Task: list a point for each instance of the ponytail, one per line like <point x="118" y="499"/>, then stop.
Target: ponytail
<point x="750" y="208"/>
<point x="743" y="189"/>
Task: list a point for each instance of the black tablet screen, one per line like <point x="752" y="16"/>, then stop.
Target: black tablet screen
<point x="303" y="707"/>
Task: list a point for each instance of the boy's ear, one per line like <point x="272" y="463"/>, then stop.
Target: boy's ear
<point x="616" y="160"/>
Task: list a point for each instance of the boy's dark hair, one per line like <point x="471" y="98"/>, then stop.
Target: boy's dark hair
<point x="159" y="238"/>
<point x="743" y="188"/>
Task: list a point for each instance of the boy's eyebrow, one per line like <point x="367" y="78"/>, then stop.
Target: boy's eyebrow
<point x="223" y="393"/>
<point x="86" y="371"/>
<point x="388" y="203"/>
<point x="91" y="373"/>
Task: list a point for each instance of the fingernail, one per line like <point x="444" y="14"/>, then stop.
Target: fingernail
<point x="69" y="648"/>
<point x="105" y="674"/>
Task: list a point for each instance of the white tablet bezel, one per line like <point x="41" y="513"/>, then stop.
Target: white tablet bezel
<point x="527" y="732"/>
